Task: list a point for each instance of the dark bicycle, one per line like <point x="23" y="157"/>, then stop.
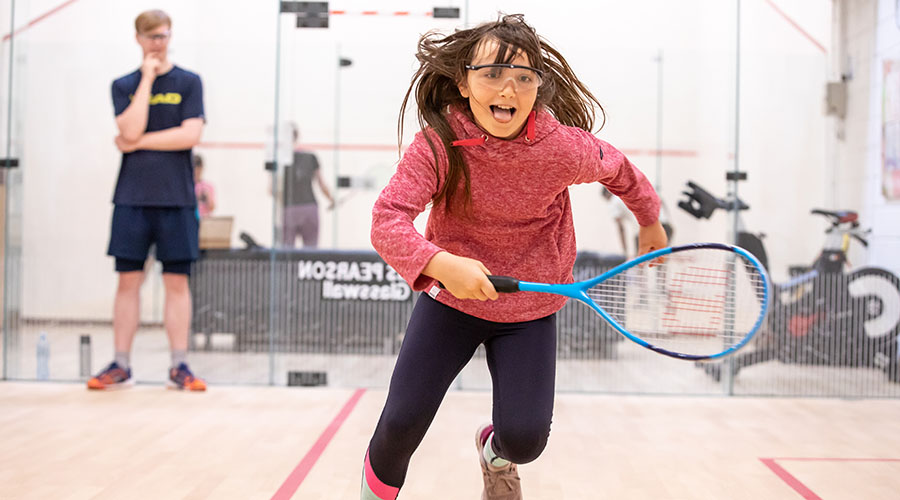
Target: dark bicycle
<point x="823" y="315"/>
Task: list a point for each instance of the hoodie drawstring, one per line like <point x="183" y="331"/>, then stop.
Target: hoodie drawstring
<point x="475" y="141"/>
<point x="529" y="127"/>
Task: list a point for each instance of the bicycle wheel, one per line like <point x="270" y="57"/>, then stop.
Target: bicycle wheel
<point x="877" y="291"/>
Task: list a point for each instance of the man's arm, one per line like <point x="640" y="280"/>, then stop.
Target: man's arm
<point x="133" y="121"/>
<point x="185" y="136"/>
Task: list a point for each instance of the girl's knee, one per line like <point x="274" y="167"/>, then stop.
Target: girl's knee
<point x="521" y="445"/>
<point x="404" y="430"/>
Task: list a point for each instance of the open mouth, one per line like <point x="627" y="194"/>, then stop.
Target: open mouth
<point x="503" y="114"/>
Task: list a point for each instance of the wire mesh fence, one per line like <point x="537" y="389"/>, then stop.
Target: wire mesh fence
<point x="338" y="319"/>
<point x="828" y="333"/>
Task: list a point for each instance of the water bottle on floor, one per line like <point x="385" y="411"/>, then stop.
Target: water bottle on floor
<point x="43" y="357"/>
<point x="84" y="357"/>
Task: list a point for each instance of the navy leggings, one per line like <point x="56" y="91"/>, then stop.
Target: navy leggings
<point x="439" y="342"/>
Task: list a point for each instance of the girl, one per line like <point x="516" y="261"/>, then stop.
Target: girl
<point x="505" y="130"/>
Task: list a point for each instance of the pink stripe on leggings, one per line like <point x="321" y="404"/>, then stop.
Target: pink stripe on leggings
<point x="381" y="490"/>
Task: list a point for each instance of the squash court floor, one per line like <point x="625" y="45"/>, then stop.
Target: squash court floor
<point x="60" y="441"/>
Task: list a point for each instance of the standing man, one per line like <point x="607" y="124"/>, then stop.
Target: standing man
<point x="159" y="114"/>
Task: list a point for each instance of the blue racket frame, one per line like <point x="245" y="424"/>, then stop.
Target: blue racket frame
<point x="578" y="291"/>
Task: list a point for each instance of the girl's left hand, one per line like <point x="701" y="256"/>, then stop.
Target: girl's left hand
<point x="652" y="237"/>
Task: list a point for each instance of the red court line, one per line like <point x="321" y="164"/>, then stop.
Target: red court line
<point x="788" y="478"/>
<point x="795" y="483"/>
<point x="797" y="26"/>
<point x="39" y="19"/>
<point x="305" y="146"/>
<point x="231" y="145"/>
<point x="402" y="13"/>
<point x="831" y="459"/>
<point x="659" y="152"/>
<point x="296" y="477"/>
<point x="393" y="147"/>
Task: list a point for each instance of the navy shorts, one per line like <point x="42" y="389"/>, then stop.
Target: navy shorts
<point x="174" y="231"/>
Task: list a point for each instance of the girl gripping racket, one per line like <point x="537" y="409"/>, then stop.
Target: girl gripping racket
<point x="506" y="128"/>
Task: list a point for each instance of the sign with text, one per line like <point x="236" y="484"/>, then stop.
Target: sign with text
<point x="354" y="279"/>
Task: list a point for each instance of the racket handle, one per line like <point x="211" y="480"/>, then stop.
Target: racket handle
<point x="503" y="284"/>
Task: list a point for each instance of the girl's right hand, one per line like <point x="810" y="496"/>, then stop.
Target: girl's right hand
<point x="463" y="277"/>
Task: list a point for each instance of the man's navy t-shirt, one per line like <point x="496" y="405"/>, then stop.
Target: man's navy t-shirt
<point x="159" y="178"/>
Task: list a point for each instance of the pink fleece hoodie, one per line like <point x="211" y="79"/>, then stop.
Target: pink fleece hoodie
<point x="521" y="218"/>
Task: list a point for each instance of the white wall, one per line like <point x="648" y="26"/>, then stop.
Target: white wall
<point x="64" y="124"/>
<point x="883" y="215"/>
<point x="866" y="35"/>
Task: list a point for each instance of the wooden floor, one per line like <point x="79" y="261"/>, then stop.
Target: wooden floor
<point x="60" y="441"/>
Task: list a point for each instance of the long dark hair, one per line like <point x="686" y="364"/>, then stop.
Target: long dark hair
<point x="442" y="61"/>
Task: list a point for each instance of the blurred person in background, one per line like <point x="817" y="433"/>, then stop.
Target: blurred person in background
<point x="203" y="189"/>
<point x="300" y="210"/>
<point x="620" y="214"/>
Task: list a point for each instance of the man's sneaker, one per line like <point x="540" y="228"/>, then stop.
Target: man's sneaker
<point x="182" y="378"/>
<point x="500" y="483"/>
<point x="112" y="377"/>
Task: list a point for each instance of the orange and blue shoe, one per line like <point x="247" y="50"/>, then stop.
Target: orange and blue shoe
<point x="112" y="377"/>
<point x="182" y="378"/>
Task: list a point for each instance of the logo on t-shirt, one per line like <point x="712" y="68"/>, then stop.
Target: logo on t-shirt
<point x="167" y="98"/>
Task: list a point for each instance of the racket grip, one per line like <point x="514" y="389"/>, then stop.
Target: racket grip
<point x="504" y="284"/>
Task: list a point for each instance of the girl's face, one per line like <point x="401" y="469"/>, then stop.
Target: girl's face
<point x="502" y="100"/>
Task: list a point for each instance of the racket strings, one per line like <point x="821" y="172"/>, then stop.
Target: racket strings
<point x="701" y="301"/>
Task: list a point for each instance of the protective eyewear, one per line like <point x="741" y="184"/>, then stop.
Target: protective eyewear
<point x="158" y="37"/>
<point x="494" y="76"/>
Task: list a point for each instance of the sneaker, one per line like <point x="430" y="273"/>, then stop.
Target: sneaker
<point x="112" y="377"/>
<point x="182" y="378"/>
<point x="500" y="483"/>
